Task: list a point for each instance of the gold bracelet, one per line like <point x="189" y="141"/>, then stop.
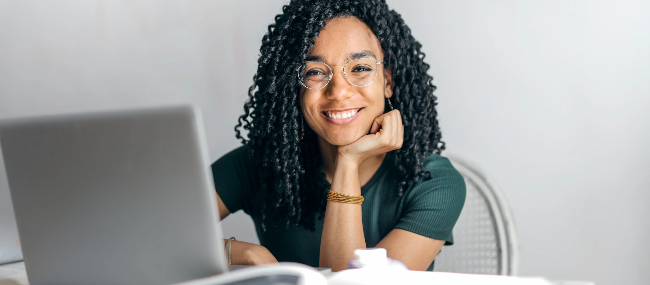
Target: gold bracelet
<point x="229" y="248"/>
<point x="342" y="198"/>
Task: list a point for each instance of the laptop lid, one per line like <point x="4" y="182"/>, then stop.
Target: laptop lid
<point x="9" y="243"/>
<point x="118" y="197"/>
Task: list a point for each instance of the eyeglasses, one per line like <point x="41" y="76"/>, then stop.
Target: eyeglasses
<point x="315" y="75"/>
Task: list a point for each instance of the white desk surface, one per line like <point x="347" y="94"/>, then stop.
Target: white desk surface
<point x="14" y="274"/>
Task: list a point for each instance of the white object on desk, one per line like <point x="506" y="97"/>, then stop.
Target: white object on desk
<point x="572" y="282"/>
<point x="284" y="273"/>
<point x="368" y="276"/>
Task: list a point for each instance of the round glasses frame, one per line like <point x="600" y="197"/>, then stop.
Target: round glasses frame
<point x="331" y="74"/>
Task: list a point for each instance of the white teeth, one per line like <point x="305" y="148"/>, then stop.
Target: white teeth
<point x="341" y="115"/>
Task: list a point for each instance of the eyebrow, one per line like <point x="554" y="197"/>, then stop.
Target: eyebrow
<point x="353" y="56"/>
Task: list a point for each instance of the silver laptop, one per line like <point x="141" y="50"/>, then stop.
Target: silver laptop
<point x="113" y="198"/>
<point x="9" y="243"/>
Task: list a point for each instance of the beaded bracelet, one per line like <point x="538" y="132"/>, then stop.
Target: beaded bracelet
<point x="342" y="198"/>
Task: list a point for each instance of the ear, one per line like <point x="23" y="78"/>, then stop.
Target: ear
<point x="388" y="82"/>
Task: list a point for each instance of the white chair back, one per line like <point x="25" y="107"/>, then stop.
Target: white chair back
<point x="484" y="236"/>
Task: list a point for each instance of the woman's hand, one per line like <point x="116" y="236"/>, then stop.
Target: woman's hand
<point x="243" y="253"/>
<point x="386" y="134"/>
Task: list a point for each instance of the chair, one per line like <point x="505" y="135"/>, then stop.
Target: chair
<point x="484" y="236"/>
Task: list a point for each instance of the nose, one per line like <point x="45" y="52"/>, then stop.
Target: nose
<point x="338" y="88"/>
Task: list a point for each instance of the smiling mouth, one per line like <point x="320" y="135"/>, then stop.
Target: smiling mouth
<point x="341" y="114"/>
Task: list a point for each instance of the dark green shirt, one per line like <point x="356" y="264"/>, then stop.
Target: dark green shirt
<point x="430" y="208"/>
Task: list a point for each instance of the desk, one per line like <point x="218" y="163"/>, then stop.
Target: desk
<point x="14" y="274"/>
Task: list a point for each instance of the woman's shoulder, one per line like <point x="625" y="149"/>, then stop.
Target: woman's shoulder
<point x="236" y="163"/>
<point x="444" y="179"/>
<point x="437" y="162"/>
<point x="433" y="205"/>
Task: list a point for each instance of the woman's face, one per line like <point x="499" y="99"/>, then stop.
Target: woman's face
<point x="325" y="110"/>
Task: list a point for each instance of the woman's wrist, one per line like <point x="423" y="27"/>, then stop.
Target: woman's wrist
<point x="243" y="253"/>
<point x="347" y="163"/>
<point x="346" y="177"/>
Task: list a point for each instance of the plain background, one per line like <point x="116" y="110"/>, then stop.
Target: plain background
<point x="548" y="97"/>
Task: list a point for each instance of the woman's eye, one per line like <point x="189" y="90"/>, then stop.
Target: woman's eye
<point x="314" y="72"/>
<point x="361" y="68"/>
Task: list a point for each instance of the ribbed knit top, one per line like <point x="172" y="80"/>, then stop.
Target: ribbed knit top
<point x="430" y="208"/>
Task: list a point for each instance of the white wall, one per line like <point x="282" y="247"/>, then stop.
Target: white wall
<point x="549" y="98"/>
<point x="546" y="96"/>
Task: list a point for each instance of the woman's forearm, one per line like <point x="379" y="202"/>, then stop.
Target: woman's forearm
<point x="244" y="253"/>
<point x="342" y="226"/>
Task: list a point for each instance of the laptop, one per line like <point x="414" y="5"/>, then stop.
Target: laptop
<point x="9" y="243"/>
<point x="121" y="197"/>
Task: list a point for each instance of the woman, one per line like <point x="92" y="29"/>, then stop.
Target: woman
<point x="341" y="108"/>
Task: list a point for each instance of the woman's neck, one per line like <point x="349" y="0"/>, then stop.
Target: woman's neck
<point x="329" y="153"/>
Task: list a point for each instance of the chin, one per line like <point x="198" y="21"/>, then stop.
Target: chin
<point x="343" y="140"/>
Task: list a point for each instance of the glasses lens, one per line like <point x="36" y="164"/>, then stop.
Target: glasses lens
<point x="315" y="75"/>
<point x="361" y="72"/>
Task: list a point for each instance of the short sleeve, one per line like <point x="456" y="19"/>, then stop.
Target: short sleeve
<point x="234" y="176"/>
<point x="432" y="207"/>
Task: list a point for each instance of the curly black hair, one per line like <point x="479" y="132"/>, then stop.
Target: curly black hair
<point x="293" y="188"/>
